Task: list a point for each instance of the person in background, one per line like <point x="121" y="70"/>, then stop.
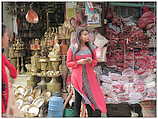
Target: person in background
<point x="6" y="65"/>
<point x="73" y="32"/>
<point x="82" y="60"/>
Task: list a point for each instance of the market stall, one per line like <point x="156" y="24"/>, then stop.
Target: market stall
<point x="124" y="35"/>
<point x="129" y="73"/>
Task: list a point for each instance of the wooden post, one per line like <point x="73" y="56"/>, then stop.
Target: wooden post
<point x="103" y="13"/>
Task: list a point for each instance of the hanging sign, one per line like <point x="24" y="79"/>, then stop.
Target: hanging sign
<point x="93" y="15"/>
<point x="90" y="6"/>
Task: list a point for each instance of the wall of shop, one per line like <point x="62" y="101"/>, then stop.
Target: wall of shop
<point x="6" y="18"/>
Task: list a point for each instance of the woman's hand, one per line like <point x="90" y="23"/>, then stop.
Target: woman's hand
<point x="82" y="61"/>
<point x="85" y="61"/>
<point x="89" y="59"/>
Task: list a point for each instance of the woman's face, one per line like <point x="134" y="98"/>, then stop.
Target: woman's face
<point x="73" y="22"/>
<point x="5" y="41"/>
<point x="84" y="36"/>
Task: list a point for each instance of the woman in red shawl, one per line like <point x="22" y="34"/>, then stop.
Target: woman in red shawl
<point x="9" y="66"/>
<point x="81" y="59"/>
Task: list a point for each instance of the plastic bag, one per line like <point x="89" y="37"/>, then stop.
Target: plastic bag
<point x="100" y="40"/>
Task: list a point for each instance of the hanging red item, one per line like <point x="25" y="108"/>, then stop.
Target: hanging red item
<point x="109" y="13"/>
<point x="32" y="16"/>
<point x="148" y="17"/>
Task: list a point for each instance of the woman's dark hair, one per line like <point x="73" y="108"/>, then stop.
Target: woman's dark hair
<point x="79" y="42"/>
<point x="3" y="29"/>
<point x="72" y="18"/>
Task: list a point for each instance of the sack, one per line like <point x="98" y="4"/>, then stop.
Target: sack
<point x="100" y="40"/>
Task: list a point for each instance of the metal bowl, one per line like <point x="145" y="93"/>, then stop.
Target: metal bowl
<point x="28" y="91"/>
<point x="29" y="98"/>
<point x="19" y="96"/>
<point x="19" y="102"/>
<point x="33" y="111"/>
<point x="38" y="102"/>
<point x="37" y="92"/>
<point x="21" y="90"/>
<point x="25" y="108"/>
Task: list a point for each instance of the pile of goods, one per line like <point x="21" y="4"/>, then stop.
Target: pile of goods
<point x="126" y="35"/>
<point x="127" y="86"/>
<point x="30" y="101"/>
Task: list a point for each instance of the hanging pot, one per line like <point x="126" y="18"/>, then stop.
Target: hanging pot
<point x="32" y="16"/>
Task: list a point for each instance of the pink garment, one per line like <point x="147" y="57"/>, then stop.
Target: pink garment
<point x="76" y="78"/>
<point x="5" y="81"/>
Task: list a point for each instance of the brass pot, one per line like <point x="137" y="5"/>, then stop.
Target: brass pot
<point x="43" y="62"/>
<point x="55" y="65"/>
<point x="53" y="86"/>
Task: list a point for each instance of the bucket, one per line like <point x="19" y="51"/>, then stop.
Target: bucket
<point x="55" y="107"/>
<point x="69" y="113"/>
<point x="55" y="113"/>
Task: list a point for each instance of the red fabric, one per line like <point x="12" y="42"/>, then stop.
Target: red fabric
<point x="13" y="74"/>
<point x="147" y="18"/>
<point x="76" y="78"/>
<point x="145" y="9"/>
<point x="68" y="80"/>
